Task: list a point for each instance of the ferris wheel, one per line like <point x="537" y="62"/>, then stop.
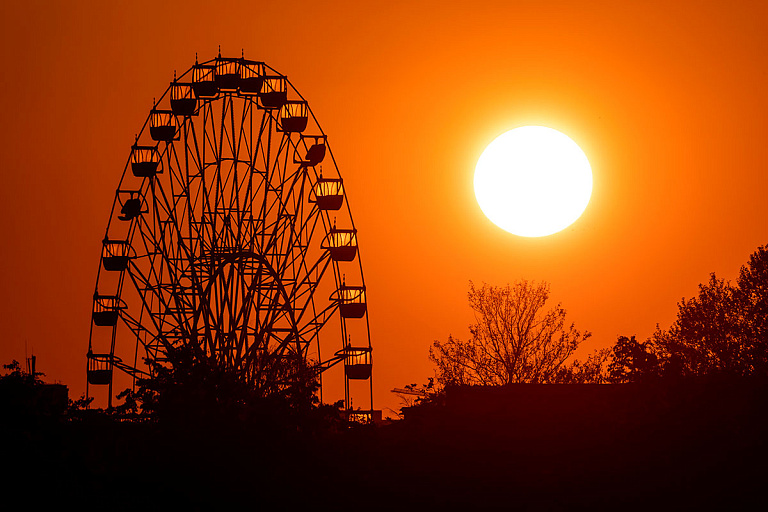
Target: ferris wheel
<point x="230" y="233"/>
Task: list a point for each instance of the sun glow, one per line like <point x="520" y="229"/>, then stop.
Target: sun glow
<point x="533" y="181"/>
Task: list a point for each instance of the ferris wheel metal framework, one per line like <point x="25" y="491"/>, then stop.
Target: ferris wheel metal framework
<point x="223" y="236"/>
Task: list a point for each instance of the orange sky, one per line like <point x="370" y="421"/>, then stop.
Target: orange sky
<point x="666" y="99"/>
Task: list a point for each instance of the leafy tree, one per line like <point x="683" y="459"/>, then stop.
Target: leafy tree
<point x="722" y="330"/>
<point x="590" y="371"/>
<point x="514" y="339"/>
<point x="25" y="396"/>
<point x="752" y="296"/>
<point x="192" y="388"/>
<point x="17" y="390"/>
<point x="18" y="376"/>
<point x="413" y="394"/>
<point x="632" y="361"/>
<point x="707" y="335"/>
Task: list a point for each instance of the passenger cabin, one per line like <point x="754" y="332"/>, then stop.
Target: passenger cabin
<point x="227" y="75"/>
<point x="106" y="309"/>
<point x="351" y="301"/>
<point x="329" y="193"/>
<point x="183" y="101"/>
<point x="99" y="369"/>
<point x="204" y="81"/>
<point x="251" y="77"/>
<point x="341" y="244"/>
<point x="144" y="161"/>
<point x="315" y="145"/>
<point x="130" y="207"/>
<point x="274" y="92"/>
<point x="293" y="116"/>
<point x="115" y="255"/>
<point x="315" y="154"/>
<point x="363" y="417"/>
<point x="357" y="363"/>
<point x="162" y="125"/>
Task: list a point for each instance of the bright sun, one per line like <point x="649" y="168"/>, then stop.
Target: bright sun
<point x="533" y="181"/>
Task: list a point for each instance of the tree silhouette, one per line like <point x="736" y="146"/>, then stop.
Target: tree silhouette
<point x="18" y="390"/>
<point x="590" y="371"/>
<point x="722" y="330"/>
<point x="632" y="361"/>
<point x="25" y="396"/>
<point x="18" y="376"/>
<point x="752" y="296"/>
<point x="706" y="337"/>
<point x="192" y="388"/>
<point x="514" y="339"/>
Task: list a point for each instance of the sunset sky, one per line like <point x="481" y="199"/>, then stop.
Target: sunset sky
<point x="667" y="99"/>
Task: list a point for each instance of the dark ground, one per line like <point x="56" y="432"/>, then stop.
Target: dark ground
<point x="551" y="447"/>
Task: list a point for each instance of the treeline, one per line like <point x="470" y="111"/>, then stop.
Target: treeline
<point x="721" y="331"/>
<point x="515" y="339"/>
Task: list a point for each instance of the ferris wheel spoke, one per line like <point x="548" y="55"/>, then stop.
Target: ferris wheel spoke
<point x="137" y="326"/>
<point x="193" y="152"/>
<point x="151" y="283"/>
<point x="303" y="235"/>
<point x="320" y="319"/>
<point x="309" y="284"/>
<point x="209" y="133"/>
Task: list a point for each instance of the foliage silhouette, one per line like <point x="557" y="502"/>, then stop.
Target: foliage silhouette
<point x="513" y="339"/>
<point x="632" y="361"/>
<point x="752" y="296"/>
<point x="721" y="331"/>
<point x="590" y="371"/>
<point x="706" y="337"/>
<point x="191" y="388"/>
<point x="417" y="395"/>
<point x="17" y="375"/>
<point x="25" y="399"/>
<point x="18" y="390"/>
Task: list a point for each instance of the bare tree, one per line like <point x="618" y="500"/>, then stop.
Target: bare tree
<point x="512" y="340"/>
